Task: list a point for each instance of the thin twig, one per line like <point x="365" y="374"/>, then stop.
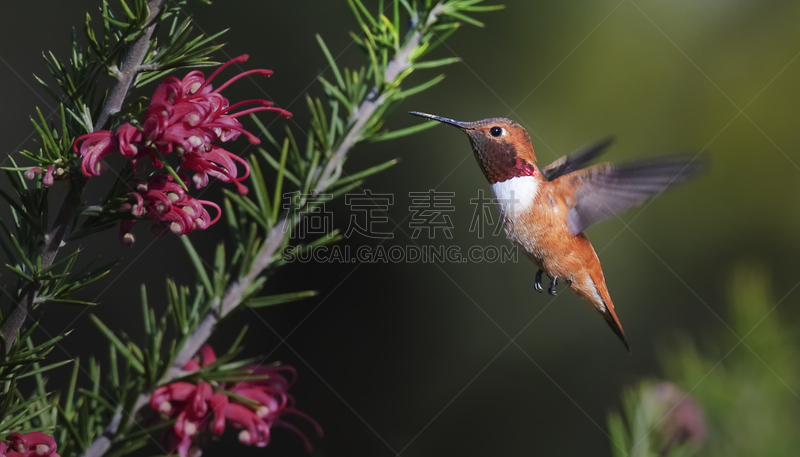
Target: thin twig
<point x="130" y="68"/>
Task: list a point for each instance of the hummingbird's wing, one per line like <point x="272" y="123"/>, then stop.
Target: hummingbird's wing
<point x="605" y="190"/>
<point x="576" y="160"/>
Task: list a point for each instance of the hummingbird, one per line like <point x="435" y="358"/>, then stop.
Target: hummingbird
<point x="546" y="211"/>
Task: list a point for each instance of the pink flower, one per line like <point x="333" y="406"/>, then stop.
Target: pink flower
<point x="162" y="199"/>
<point x="33" y="444"/>
<point x="95" y="146"/>
<point x="199" y="410"/>
<point x="190" y="404"/>
<point x="128" y="138"/>
<point x="218" y="163"/>
<point x="683" y="422"/>
<point x="204" y="357"/>
<point x="186" y="116"/>
<point x="271" y="395"/>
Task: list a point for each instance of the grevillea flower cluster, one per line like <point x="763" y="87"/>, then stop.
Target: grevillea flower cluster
<point x="185" y="117"/>
<point x="33" y="444"/>
<point x="205" y="409"/>
<point x="160" y="198"/>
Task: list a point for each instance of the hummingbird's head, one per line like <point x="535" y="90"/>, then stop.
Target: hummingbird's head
<point x="503" y="147"/>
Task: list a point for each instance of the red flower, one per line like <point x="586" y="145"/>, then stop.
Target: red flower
<point x="218" y="163"/>
<point x="128" y="137"/>
<point x="160" y="198"/>
<point x="189" y="404"/>
<point x="274" y="402"/>
<point x="95" y="146"/>
<point x="186" y="116"/>
<point x="192" y="406"/>
<point x="33" y="444"/>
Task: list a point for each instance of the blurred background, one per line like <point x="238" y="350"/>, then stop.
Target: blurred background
<point x="420" y="359"/>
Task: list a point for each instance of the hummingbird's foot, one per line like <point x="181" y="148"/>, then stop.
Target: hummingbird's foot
<point x="537" y="284"/>
<point x="552" y="288"/>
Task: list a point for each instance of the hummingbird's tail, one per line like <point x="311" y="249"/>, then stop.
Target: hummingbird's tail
<point x="606" y="307"/>
<point x="611" y="318"/>
<point x="591" y="286"/>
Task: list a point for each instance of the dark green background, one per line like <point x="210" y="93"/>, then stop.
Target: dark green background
<point x="415" y="359"/>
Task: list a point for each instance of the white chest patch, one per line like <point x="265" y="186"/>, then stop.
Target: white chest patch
<point x="516" y="195"/>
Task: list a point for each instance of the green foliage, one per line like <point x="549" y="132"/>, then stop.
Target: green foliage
<point x="746" y="381"/>
<point x="30" y="244"/>
<point x="56" y="144"/>
<point x="645" y="428"/>
<point x="262" y="222"/>
<point x="180" y="49"/>
<point x="353" y="110"/>
<point x="279" y="299"/>
<point x="28" y="207"/>
<point x="357" y="102"/>
<point x="35" y="410"/>
<point x="133" y="370"/>
<point x="77" y="79"/>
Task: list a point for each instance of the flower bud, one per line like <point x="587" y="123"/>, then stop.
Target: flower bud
<point x="32" y="172"/>
<point x="48" y="176"/>
<point x="682" y="419"/>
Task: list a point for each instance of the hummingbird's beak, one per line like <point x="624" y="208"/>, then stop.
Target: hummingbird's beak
<point x="446" y="120"/>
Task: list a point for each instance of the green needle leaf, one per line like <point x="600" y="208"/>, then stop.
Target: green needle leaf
<point x="403" y="132"/>
<point x="271" y="300"/>
<point x="199" y="266"/>
<point x="125" y="350"/>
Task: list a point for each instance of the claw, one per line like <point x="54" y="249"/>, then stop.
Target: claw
<point x="537" y="284"/>
<point x="552" y="288"/>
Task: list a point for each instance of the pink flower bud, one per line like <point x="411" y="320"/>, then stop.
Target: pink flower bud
<point x="32" y="172"/>
<point x="48" y="176"/>
<point x="684" y="421"/>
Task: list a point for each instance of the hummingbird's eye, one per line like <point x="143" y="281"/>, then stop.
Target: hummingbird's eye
<point x="496" y="131"/>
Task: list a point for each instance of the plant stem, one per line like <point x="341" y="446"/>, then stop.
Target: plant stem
<point x="131" y="66"/>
